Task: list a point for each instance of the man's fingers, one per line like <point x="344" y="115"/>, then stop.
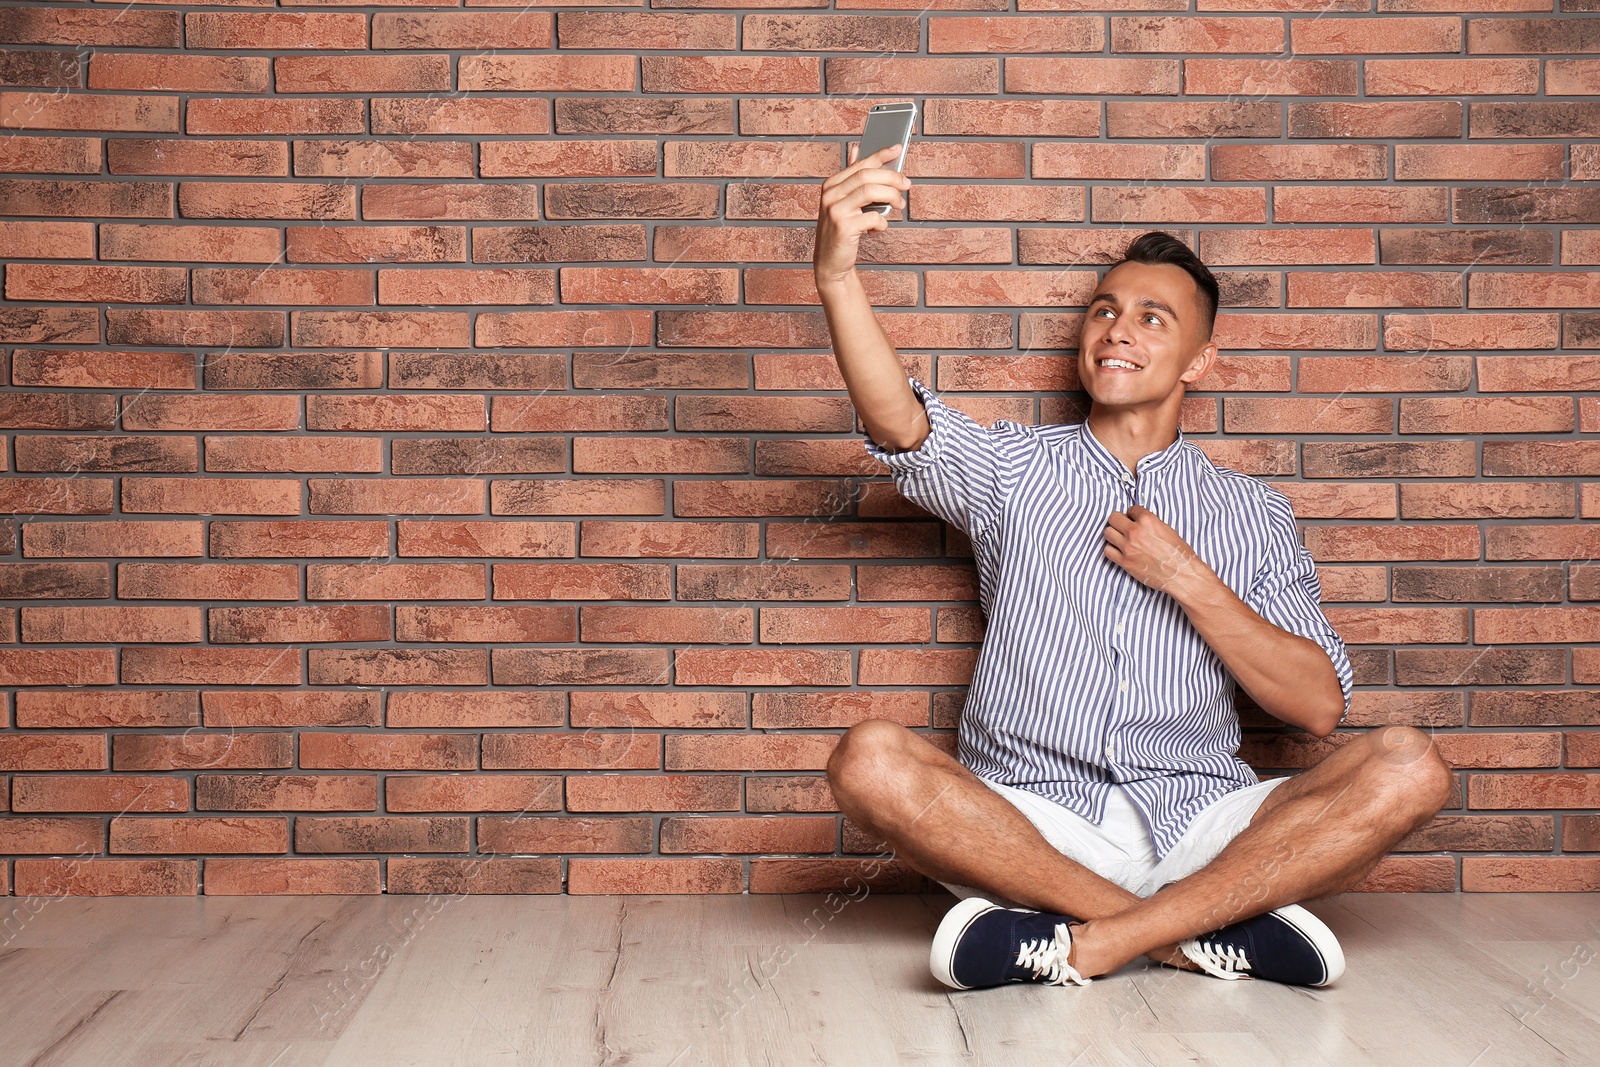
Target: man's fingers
<point x="1118" y="521"/>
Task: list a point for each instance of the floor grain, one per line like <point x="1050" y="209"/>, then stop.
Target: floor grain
<point x="1490" y="980"/>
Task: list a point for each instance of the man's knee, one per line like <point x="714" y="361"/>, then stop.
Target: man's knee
<point x="866" y="754"/>
<point x="1410" y="769"/>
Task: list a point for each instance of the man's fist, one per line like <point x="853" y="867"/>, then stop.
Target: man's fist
<point x="1151" y="551"/>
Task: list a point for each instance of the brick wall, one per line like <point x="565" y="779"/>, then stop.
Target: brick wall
<point x="428" y="469"/>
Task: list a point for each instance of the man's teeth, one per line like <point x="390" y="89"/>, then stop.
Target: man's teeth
<point x="1118" y="363"/>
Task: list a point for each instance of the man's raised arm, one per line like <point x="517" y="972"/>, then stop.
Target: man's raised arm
<point x="891" y="412"/>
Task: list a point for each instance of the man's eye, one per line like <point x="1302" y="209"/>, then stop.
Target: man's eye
<point x="1153" y="315"/>
<point x="1102" y="311"/>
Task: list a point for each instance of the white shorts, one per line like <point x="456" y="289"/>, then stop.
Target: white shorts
<point x="1120" y="849"/>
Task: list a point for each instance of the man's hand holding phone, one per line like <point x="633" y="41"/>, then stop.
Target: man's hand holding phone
<point x="845" y="213"/>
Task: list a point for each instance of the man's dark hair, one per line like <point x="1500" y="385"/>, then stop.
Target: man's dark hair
<point x="1161" y="247"/>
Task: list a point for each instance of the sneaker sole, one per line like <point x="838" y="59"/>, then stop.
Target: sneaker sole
<point x="942" y="955"/>
<point x="1321" y="938"/>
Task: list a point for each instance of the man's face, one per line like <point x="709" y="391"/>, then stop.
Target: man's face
<point x="1143" y="336"/>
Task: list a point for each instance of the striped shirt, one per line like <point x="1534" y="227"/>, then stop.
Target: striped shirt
<point x="1088" y="678"/>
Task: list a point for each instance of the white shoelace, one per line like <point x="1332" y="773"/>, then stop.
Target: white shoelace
<point x="1049" y="958"/>
<point x="1228" y="963"/>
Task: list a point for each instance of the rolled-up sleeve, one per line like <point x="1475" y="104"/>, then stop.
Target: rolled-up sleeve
<point x="961" y="472"/>
<point x="1288" y="595"/>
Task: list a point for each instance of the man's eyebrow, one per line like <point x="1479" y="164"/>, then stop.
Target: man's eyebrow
<point x="1144" y="302"/>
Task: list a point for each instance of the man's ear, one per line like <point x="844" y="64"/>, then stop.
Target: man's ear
<point x="1201" y="365"/>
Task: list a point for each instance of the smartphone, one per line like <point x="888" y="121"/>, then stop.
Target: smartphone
<point x="888" y="124"/>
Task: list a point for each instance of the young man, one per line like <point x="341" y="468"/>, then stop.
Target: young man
<point x="1098" y="810"/>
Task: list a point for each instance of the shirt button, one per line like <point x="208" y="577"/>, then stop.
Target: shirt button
<point x="1122" y="686"/>
<point x="1119" y="629"/>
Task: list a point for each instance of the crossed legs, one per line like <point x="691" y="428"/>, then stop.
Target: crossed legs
<point x="1315" y="835"/>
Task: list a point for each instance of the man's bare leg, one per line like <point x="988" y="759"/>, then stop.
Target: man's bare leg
<point x="942" y="820"/>
<point x="1317" y="834"/>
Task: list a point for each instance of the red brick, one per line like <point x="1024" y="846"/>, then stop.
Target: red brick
<point x="654" y="792"/>
<point x="1513" y="162"/>
<point x="90" y="708"/>
<point x="1386" y="459"/>
<point x="1266" y="162"/>
<point x="109" y="792"/>
<point x="294" y="454"/>
<point x="85" y="666"/>
<point x="197" y="750"/>
<point x="466" y="29"/>
<point x="396" y="496"/>
<point x="564" y="835"/>
<point x="1392" y="542"/>
<point x="833" y="875"/>
<point x="291" y="877"/>
<point x="645" y="709"/>
<point x="1466" y="246"/>
<point x="774" y="752"/>
<point x="192" y="243"/>
<point x="674" y="625"/>
<point x="1388" y="119"/>
<point x="1519" y="708"/>
<point x="1189" y="33"/>
<point x="1410" y="874"/>
<point x="1542" y="541"/>
<point x="52" y="752"/>
<point x="1504" y="874"/>
<point x="211" y="666"/>
<point x="763" y="581"/>
<point x="42" y="240"/>
<point x="40" y="581"/>
<point x="1092" y="76"/>
<point x="883" y="666"/>
<point x="1286" y="330"/>
<point x="1426" y="333"/>
<point x="423" y="752"/>
<point x="1346" y="203"/>
<point x="847" y="625"/>
<point x="649" y="455"/>
<point x="109" y="284"/>
<point x="1534" y="289"/>
<point x="105" y="452"/>
<point x="201" y="834"/>
<point x="211" y="496"/>
<point x="353" y="833"/>
<point x="1455" y="500"/>
<point x="1381" y="289"/>
<point x="653" y="876"/>
<point x="1383" y="374"/>
<point x="1487" y="415"/>
<point x="590" y="750"/>
<point x="1542" y="625"/>
<point x="1473" y="667"/>
<point x="300" y="625"/>
<point x="603" y="537"/>
<point x="748" y="667"/>
<point x="578" y="496"/>
<point x="20" y="836"/>
<point x="208" y="581"/>
<point x="592" y="666"/>
<point x="1343" y="415"/>
<point x="438" y="708"/>
<point x="444" y="876"/>
<point x="1339" y="501"/>
<point x="472" y="793"/>
<point x="786" y="793"/>
<point x="286" y="792"/>
<point x="104" y="877"/>
<point x="1540" y="458"/>
<point x="1270" y="247"/>
<point x="1208" y="205"/>
<point x="824" y="710"/>
<point x="759" y="834"/>
<point x="152" y="72"/>
<point x="583" y="581"/>
<point x="1398" y="626"/>
<point x="395" y="581"/>
<point x="936" y="582"/>
<point x="1467" y="584"/>
<point x="112" y="538"/>
<point x="485" y="624"/>
<point x="55" y="496"/>
<point x="79" y="625"/>
<point x="550" y="73"/>
<point x="490" y="539"/>
<point x="1361" y="36"/>
<point x="1451" y="77"/>
<point x="234" y="708"/>
<point x="398" y="666"/>
<point x="1270" y="77"/>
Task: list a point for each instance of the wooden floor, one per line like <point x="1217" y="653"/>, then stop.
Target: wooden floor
<point x="1434" y="980"/>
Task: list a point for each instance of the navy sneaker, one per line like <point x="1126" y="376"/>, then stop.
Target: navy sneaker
<point x="1288" y="945"/>
<point x="979" y="943"/>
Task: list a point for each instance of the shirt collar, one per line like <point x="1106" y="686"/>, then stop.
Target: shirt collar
<point x="1155" y="461"/>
